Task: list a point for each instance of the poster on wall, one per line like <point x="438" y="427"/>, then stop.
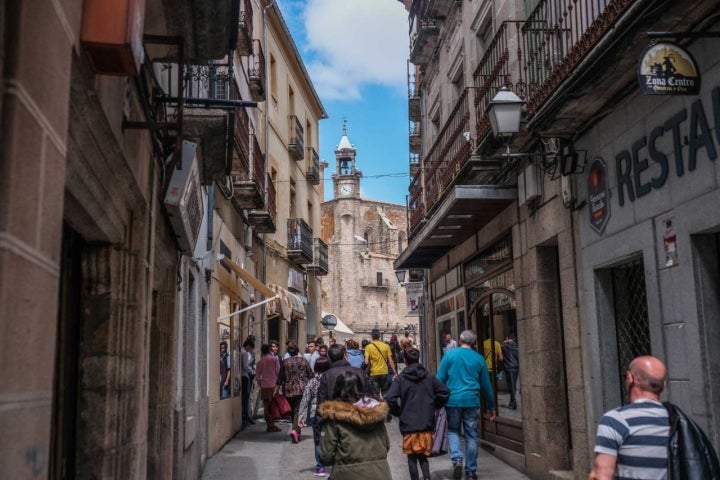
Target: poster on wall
<point x="414" y="293"/>
<point x="666" y="68"/>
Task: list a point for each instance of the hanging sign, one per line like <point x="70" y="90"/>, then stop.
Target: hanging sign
<point x="666" y="68"/>
<point x="598" y="197"/>
<point x="414" y="294"/>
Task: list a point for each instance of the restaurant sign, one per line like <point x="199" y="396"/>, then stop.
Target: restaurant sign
<point x="666" y="68"/>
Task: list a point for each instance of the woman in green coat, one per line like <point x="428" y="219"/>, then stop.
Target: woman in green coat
<point x="354" y="440"/>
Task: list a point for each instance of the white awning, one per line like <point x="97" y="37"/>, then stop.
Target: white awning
<point x="341" y="327"/>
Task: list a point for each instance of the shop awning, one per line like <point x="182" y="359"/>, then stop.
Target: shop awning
<point x="288" y="305"/>
<point x="259" y="286"/>
<point x="341" y="327"/>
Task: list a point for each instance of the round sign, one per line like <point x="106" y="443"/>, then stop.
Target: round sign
<point x="329" y="321"/>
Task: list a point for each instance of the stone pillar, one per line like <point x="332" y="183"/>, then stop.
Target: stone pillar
<point x="37" y="48"/>
<point x="112" y="425"/>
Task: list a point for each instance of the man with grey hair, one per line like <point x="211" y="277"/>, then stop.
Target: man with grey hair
<point x="465" y="373"/>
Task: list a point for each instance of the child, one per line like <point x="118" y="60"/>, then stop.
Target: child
<point x="308" y="405"/>
<point x="414" y="397"/>
<point x="354" y="440"/>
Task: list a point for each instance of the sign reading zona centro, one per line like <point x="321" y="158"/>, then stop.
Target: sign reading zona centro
<point x="665" y="68"/>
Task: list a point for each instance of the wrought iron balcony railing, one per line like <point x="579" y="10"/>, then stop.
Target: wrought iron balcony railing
<point x="313" y="171"/>
<point x="533" y="58"/>
<point x="319" y="265"/>
<point x="256" y="72"/>
<point x="296" y="143"/>
<point x="299" y="241"/>
<point x="245" y="28"/>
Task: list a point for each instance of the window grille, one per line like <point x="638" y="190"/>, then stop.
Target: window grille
<point x="631" y="315"/>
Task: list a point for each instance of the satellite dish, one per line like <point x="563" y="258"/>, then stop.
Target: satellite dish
<point x="329" y="321"/>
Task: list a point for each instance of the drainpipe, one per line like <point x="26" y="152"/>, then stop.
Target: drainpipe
<point x="267" y="153"/>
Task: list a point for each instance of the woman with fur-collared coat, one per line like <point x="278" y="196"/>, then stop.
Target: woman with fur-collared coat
<point x="354" y="440"/>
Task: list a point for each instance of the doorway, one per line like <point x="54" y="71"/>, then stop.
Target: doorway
<point x="65" y="395"/>
<point x="495" y="321"/>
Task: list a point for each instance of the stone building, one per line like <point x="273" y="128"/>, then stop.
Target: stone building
<point x="138" y="217"/>
<point x="364" y="238"/>
<point x="589" y="232"/>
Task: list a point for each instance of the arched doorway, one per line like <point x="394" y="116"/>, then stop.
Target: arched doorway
<point x="493" y="317"/>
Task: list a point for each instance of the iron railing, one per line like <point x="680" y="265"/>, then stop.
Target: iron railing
<point x="296" y="142"/>
<point x="313" y="171"/>
<point x="319" y="265"/>
<point x="532" y="58"/>
<point x="245" y="28"/>
<point x="299" y="241"/>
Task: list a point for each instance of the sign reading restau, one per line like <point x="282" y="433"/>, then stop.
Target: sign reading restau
<point x="598" y="197"/>
<point x="414" y="293"/>
<point x="666" y="68"/>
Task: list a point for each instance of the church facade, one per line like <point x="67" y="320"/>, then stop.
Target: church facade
<point x="364" y="238"/>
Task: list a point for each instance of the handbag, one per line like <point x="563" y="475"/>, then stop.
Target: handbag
<point x="280" y="407"/>
<point x="440" y="442"/>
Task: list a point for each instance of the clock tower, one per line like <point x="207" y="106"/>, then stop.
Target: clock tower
<point x="346" y="178"/>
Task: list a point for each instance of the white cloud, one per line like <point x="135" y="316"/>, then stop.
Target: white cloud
<point x="352" y="43"/>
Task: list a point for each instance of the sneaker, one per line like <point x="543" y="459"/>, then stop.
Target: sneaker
<point x="471" y="476"/>
<point x="457" y="469"/>
<point x="319" y="472"/>
<point x="295" y="436"/>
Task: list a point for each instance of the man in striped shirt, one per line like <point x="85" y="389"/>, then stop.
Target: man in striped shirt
<point x="631" y="440"/>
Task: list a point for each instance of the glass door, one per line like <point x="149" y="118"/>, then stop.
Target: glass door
<point x="495" y="322"/>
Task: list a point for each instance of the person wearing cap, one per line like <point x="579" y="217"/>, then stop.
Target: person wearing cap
<point x="379" y="357"/>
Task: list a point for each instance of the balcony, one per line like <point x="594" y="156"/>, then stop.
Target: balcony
<point x="414" y="164"/>
<point x="438" y="8"/>
<point x="296" y="143"/>
<point x="206" y="123"/>
<point x="256" y="72"/>
<point x="376" y="283"/>
<point x="424" y="42"/>
<point x="414" y="108"/>
<point x="313" y="171"/>
<point x="247" y="177"/>
<point x="415" y="141"/>
<point x="299" y="241"/>
<point x="208" y="36"/>
<point x="245" y="29"/>
<point x="263" y="220"/>
<point x="319" y="265"/>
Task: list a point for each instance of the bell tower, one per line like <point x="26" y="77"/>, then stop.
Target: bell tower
<point x="346" y="178"/>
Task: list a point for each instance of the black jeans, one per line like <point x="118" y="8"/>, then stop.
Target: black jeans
<point x="246" y="386"/>
<point x="512" y="378"/>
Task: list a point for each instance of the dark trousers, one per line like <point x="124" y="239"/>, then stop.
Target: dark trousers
<point x="246" y="386"/>
<point x="512" y="378"/>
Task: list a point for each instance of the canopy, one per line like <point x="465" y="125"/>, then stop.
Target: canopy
<point x="341" y="327"/>
<point x="288" y="305"/>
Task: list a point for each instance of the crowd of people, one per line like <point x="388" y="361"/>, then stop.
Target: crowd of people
<point x="348" y="393"/>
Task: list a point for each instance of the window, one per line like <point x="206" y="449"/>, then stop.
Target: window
<point x="401" y="243"/>
<point x="379" y="279"/>
<point x="273" y="78"/>
<point x="292" y="213"/>
<point x="345" y="166"/>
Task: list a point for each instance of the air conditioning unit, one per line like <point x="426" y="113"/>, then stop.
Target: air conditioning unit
<point x="183" y="199"/>
<point x="529" y="184"/>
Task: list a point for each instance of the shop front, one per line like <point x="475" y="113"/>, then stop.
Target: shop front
<point x="651" y="246"/>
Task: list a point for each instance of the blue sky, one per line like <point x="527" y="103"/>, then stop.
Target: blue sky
<point x="356" y="52"/>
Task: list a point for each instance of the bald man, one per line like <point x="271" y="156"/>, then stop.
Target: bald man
<point x="631" y="440"/>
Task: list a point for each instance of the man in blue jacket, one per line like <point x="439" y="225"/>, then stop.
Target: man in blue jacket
<point x="465" y="373"/>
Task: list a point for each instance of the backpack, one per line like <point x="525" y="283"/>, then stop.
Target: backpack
<point x="690" y="453"/>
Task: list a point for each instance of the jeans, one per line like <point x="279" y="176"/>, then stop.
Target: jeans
<point x="468" y="416"/>
<point x="512" y="379"/>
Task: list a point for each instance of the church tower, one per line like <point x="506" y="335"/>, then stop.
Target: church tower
<point x="346" y="178"/>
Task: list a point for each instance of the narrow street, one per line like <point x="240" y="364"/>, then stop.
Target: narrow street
<point x="254" y="453"/>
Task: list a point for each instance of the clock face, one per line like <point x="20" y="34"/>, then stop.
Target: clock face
<point x="346" y="189"/>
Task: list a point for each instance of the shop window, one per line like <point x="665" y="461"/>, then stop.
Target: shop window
<point x="229" y="348"/>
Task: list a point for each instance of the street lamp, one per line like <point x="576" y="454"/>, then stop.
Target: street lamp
<point x="504" y="112"/>
<point x="400" y="274"/>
